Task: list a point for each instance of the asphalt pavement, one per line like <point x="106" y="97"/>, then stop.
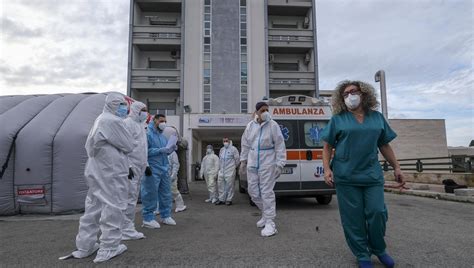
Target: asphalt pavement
<point x="421" y="232"/>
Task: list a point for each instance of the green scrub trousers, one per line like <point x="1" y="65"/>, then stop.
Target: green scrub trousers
<point x="363" y="216"/>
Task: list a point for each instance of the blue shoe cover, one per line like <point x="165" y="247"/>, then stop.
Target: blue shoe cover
<point x="387" y="260"/>
<point x="365" y="264"/>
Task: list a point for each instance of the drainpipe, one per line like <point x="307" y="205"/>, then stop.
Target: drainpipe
<point x="380" y="77"/>
<point x="315" y="53"/>
<point x="130" y="49"/>
<point x="267" y="71"/>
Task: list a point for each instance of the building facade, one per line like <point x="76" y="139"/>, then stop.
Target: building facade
<point x="205" y="63"/>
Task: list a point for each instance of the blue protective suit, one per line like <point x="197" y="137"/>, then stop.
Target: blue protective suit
<point x="157" y="187"/>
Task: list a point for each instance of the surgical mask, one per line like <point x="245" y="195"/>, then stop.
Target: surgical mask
<point x="266" y="116"/>
<point x="209" y="151"/>
<point x="226" y="144"/>
<point x="142" y="116"/>
<point x="352" y="101"/>
<point x="162" y="126"/>
<point x="122" y="111"/>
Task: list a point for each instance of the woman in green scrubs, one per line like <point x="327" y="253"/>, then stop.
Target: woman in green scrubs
<point x="357" y="132"/>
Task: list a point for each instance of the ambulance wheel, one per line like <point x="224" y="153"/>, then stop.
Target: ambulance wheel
<point x="324" y="199"/>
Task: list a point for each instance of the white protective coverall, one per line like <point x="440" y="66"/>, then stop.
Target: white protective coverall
<point x="209" y="170"/>
<point x="228" y="162"/>
<point x="106" y="173"/>
<point x="138" y="161"/>
<point x="173" y="172"/>
<point x="263" y="148"/>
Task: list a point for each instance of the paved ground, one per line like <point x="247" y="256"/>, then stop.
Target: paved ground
<point x="422" y="232"/>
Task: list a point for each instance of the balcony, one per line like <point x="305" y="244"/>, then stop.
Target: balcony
<point x="155" y="80"/>
<point x="291" y="81"/>
<point x="159" y="5"/>
<point x="293" y="41"/>
<point x="167" y="36"/>
<point x="301" y="3"/>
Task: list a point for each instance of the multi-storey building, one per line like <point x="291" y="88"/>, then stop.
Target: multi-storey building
<point x="205" y="63"/>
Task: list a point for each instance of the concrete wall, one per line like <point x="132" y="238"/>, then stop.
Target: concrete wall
<point x="225" y="57"/>
<point x="193" y="55"/>
<point x="256" y="52"/>
<point x="419" y="138"/>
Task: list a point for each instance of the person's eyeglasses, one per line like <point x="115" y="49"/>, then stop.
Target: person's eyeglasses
<point x="352" y="92"/>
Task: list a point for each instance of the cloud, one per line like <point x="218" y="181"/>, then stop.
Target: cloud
<point x="16" y="31"/>
<point x="79" y="45"/>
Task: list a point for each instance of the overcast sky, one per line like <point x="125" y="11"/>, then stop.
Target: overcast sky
<point x="425" y="47"/>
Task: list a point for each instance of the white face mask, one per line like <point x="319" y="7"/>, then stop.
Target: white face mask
<point x="162" y="126"/>
<point x="209" y="151"/>
<point x="142" y="116"/>
<point x="226" y="144"/>
<point x="266" y="116"/>
<point x="352" y="101"/>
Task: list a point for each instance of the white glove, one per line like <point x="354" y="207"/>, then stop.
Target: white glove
<point x="243" y="167"/>
<point x="278" y="171"/>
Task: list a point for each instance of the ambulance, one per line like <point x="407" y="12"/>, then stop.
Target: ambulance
<point x="301" y="119"/>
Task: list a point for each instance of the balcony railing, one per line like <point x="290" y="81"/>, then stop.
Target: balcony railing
<point x="292" y="81"/>
<point x="160" y="35"/>
<point x="160" y="79"/>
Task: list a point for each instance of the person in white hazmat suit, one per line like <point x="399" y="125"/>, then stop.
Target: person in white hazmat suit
<point x="209" y="169"/>
<point x="173" y="172"/>
<point x="107" y="174"/>
<point x="228" y="162"/>
<point x="138" y="161"/>
<point x="263" y="158"/>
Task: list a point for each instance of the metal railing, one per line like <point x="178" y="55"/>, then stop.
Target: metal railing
<point x="290" y="38"/>
<point x="454" y="163"/>
<point x="155" y="79"/>
<point x="297" y="81"/>
<point x="151" y="35"/>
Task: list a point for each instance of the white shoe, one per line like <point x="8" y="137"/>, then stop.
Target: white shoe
<point x="269" y="230"/>
<point x="107" y="254"/>
<point x="179" y="209"/>
<point x="207" y="200"/>
<point x="79" y="254"/>
<point x="261" y="223"/>
<point x="132" y="235"/>
<point x="168" y="221"/>
<point x="157" y="212"/>
<point x="151" y="224"/>
<point x="214" y="200"/>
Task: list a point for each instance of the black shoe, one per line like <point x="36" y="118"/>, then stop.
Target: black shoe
<point x="228" y="203"/>
<point x="219" y="203"/>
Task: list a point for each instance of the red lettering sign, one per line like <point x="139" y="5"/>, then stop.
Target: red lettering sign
<point x="298" y="111"/>
<point x="30" y="191"/>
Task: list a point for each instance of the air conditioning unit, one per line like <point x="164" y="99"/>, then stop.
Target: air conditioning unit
<point x="306" y="23"/>
<point x="175" y="54"/>
<point x="307" y="58"/>
<point x="271" y="58"/>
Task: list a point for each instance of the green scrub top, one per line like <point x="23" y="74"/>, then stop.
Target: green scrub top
<point x="355" y="160"/>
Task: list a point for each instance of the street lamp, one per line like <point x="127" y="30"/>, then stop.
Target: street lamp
<point x="380" y="77"/>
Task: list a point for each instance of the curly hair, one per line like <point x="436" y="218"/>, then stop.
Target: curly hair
<point x="368" y="98"/>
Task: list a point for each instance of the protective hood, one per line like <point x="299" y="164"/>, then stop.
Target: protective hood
<point x="112" y="102"/>
<point x="135" y="109"/>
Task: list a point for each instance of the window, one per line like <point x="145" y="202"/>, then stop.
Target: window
<point x="289" y="129"/>
<point x="166" y="108"/>
<point x="280" y="66"/>
<point x="156" y="64"/>
<point x="243" y="57"/>
<point x="312" y="133"/>
<point x="206" y="64"/>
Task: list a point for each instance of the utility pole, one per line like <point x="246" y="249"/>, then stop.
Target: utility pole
<point x="380" y="77"/>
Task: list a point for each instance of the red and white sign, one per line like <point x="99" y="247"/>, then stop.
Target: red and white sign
<point x="306" y="112"/>
<point x="30" y="191"/>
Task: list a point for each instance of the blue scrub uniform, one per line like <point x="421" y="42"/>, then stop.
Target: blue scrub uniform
<point x="359" y="179"/>
<point x="156" y="187"/>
